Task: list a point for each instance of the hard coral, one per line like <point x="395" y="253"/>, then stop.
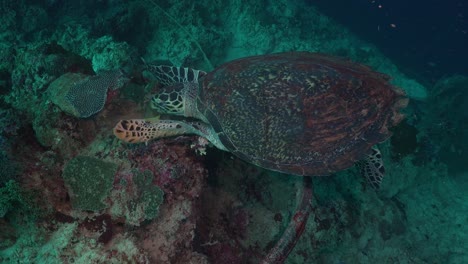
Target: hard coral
<point x="10" y="195"/>
<point x="135" y="198"/>
<point x="168" y="238"/>
<point x="8" y="169"/>
<point x="171" y="165"/>
<point x="109" y="54"/>
<point x="82" y="95"/>
<point x="89" y="181"/>
<point x="32" y="70"/>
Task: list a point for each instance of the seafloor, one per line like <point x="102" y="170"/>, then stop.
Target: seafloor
<point x="70" y="192"/>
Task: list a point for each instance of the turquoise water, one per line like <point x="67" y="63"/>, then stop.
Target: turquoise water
<point x="72" y="192"/>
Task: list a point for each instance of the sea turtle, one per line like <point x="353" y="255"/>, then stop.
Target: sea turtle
<point x="299" y="113"/>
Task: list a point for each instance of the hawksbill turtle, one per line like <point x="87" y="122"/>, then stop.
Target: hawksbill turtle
<point x="296" y="112"/>
<point x="299" y="113"/>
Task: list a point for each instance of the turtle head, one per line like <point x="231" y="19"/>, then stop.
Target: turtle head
<point x="176" y="99"/>
<point x="180" y="91"/>
<point x="169" y="100"/>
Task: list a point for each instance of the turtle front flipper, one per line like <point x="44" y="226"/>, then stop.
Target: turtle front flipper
<point x="144" y="130"/>
<point x="372" y="168"/>
<point x="170" y="75"/>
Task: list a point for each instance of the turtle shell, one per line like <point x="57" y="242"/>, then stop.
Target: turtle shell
<point x="298" y="112"/>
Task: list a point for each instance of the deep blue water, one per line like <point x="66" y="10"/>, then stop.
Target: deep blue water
<point x="429" y="40"/>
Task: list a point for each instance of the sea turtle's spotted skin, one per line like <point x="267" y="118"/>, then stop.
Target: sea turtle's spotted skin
<point x="298" y="112"/>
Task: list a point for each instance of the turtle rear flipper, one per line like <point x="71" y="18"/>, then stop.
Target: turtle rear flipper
<point x="170" y="75"/>
<point x="372" y="168"/>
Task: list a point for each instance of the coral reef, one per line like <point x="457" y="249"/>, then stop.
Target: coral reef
<point x="83" y="96"/>
<point x="71" y="193"/>
<point x="10" y="194"/>
<point x="35" y="66"/>
<point x="447" y="107"/>
<point x="89" y="181"/>
<point x="135" y="198"/>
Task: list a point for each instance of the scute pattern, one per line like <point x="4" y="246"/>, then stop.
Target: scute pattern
<point x="301" y="113"/>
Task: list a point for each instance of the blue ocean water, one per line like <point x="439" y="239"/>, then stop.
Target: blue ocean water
<point x="169" y="170"/>
<point x="428" y="38"/>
